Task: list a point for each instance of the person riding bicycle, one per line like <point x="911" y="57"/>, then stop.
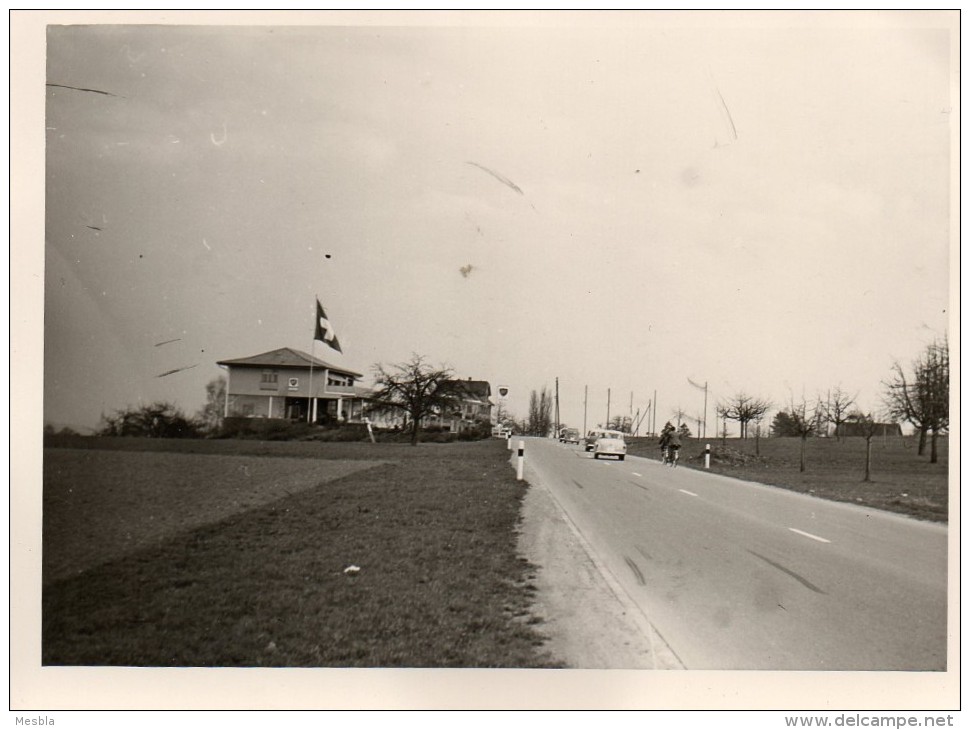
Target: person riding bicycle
<point x="673" y="446"/>
<point x="665" y="440"/>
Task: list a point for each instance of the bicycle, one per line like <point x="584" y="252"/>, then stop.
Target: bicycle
<point x="671" y="455"/>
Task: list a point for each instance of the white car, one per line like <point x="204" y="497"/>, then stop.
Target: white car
<point x="609" y="443"/>
<point x="597" y="433"/>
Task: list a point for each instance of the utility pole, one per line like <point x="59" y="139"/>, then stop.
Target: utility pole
<point x="585" y="398"/>
<point x="607" y="425"/>
<point x="557" y="407"/>
<point x="655" y="411"/>
<point x="704" y="388"/>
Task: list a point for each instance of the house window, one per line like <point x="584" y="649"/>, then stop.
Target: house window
<point x="269" y="380"/>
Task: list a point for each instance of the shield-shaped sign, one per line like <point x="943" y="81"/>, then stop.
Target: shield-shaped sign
<point x="503" y="392"/>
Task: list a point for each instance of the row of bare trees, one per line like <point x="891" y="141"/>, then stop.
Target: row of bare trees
<point x="539" y="421"/>
<point x="919" y="396"/>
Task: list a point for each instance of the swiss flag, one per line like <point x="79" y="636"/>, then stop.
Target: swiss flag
<point x="323" y="331"/>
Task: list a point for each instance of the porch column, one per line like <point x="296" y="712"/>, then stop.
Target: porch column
<point x="270" y="414"/>
<point x="340" y="405"/>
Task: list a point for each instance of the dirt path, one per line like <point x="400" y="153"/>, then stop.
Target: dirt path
<point x="590" y="622"/>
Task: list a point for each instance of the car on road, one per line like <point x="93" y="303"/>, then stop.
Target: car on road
<point x="597" y="433"/>
<point x="594" y="434"/>
<point x="611" y="443"/>
<point x="569" y="436"/>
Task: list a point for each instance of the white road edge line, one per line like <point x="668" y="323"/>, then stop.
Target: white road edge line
<point x="686" y="492"/>
<point x="809" y="535"/>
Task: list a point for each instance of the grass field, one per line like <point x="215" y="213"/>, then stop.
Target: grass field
<point x="242" y="553"/>
<point x="900" y="482"/>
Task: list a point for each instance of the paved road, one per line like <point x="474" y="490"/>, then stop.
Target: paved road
<point x="736" y="575"/>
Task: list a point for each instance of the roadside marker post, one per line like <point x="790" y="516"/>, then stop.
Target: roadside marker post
<point x="521" y="460"/>
<point x="509" y="440"/>
<point x="707" y="456"/>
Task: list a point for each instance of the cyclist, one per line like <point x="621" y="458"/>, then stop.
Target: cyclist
<point x="673" y="446"/>
<point x="665" y="440"/>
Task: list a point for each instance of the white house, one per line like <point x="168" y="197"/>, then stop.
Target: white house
<point x="290" y="384"/>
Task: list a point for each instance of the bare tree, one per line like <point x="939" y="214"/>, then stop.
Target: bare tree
<point x="837" y="409"/>
<point x="757" y="434"/>
<point x="869" y="428"/>
<point x="923" y="399"/>
<point x="804" y="419"/>
<point x="743" y="408"/>
<point x="210" y="415"/>
<point x="680" y="414"/>
<point x="415" y="388"/>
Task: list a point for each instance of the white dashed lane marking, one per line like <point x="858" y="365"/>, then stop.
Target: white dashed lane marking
<point x="686" y="492"/>
<point x="808" y="535"/>
<point x="636" y="475"/>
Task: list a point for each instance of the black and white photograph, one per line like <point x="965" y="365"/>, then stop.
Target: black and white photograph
<point x="485" y="360"/>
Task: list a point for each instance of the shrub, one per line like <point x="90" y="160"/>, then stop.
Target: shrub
<point x="157" y="420"/>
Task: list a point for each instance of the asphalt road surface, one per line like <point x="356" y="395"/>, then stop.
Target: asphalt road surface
<point x="735" y="575"/>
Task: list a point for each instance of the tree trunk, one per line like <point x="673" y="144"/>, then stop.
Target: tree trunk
<point x="868" y="457"/>
<point x="801" y="465"/>
<point x="933" y="453"/>
<point x="922" y="441"/>
<point x="414" y="433"/>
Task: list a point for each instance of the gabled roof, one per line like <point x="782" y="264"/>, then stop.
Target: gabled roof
<point x="471" y="389"/>
<point x="285" y="357"/>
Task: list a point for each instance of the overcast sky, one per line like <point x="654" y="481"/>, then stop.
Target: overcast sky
<point x="620" y="201"/>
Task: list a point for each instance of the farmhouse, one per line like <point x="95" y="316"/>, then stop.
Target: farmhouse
<point x="290" y="384"/>
<point x="472" y="405"/>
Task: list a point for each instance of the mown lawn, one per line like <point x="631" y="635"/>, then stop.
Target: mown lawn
<point x="408" y="561"/>
<point x="901" y="481"/>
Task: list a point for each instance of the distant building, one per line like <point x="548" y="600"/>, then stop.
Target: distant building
<point x="290" y="384"/>
<point x="852" y="428"/>
<point x="473" y="405"/>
